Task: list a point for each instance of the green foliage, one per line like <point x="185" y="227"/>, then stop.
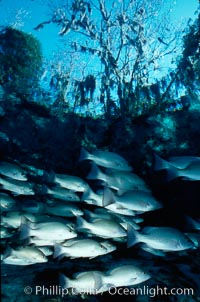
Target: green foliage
<point x="20" y="61"/>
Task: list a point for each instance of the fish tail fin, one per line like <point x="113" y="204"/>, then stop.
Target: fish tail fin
<point x="64" y="281"/>
<point x="86" y="194"/>
<point x="133" y="224"/>
<point x="160" y="163"/>
<point x="89" y="214"/>
<point x="57" y="250"/>
<point x="193" y="223"/>
<point x="81" y="224"/>
<point x="95" y="173"/>
<point x="84" y="154"/>
<point x="132" y="236"/>
<point x="108" y="197"/>
<point x="97" y="281"/>
<point x="24" y="231"/>
<point x="172" y="173"/>
<point x="89" y="197"/>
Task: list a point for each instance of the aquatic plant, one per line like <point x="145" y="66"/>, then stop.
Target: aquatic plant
<point x="20" y="62"/>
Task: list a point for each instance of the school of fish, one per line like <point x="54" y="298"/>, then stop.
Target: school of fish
<point x="47" y="214"/>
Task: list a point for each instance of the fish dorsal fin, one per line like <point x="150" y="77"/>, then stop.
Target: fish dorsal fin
<point x="108" y="197"/>
<point x="97" y="281"/>
<point x="132" y="237"/>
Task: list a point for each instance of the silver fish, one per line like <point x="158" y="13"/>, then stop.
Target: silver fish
<point x="17" y="187"/>
<point x="7" y="203"/>
<point x="190" y="172"/>
<point x="24" y="256"/>
<point x="136" y="200"/>
<point x="104" y="211"/>
<point x="160" y="238"/>
<point x="82" y="248"/>
<point x="41" y="218"/>
<point x="118" y="180"/>
<point x="91" y="197"/>
<point x="195" y="238"/>
<point x="43" y="242"/>
<point x="5" y="232"/>
<point x="33" y="170"/>
<point x="85" y="282"/>
<point x="13" y="219"/>
<point x="106" y="159"/>
<point x="12" y="171"/>
<point x="99" y="213"/>
<point x="106" y="214"/>
<point x="182" y="162"/>
<point x="64" y="210"/>
<point x="32" y="206"/>
<point x="53" y="230"/>
<point x="118" y="209"/>
<point x="46" y="250"/>
<point x="70" y="182"/>
<point x="124" y="275"/>
<point x="105" y="228"/>
<point x="63" y="194"/>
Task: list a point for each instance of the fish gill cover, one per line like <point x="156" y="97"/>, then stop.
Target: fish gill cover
<point x="99" y="173"/>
